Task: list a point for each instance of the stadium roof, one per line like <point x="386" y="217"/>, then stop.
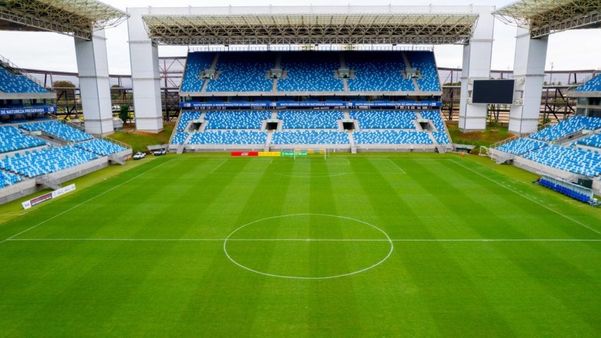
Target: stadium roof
<point x="545" y="17"/>
<point x="312" y="25"/>
<point x="73" y="17"/>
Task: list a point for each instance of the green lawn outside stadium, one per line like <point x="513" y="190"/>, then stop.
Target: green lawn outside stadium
<point x="352" y="245"/>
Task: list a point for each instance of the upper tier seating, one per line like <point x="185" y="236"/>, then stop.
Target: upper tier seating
<point x="307" y="119"/>
<point x="310" y="71"/>
<point x="391" y="137"/>
<point x="45" y="161"/>
<point x="243" y="72"/>
<point x="11" y="139"/>
<point x="593" y="85"/>
<point x="591" y="141"/>
<point x="7" y="179"/>
<point x="567" y="127"/>
<point x="11" y="82"/>
<point x="100" y="147"/>
<point x="521" y="146"/>
<point x="236" y="120"/>
<point x="384" y="119"/>
<point x="440" y="134"/>
<point x="310" y="137"/>
<point x="575" y="160"/>
<point x="58" y="130"/>
<point x="377" y="71"/>
<point x="425" y="63"/>
<point x="229" y="137"/>
<point x="196" y="63"/>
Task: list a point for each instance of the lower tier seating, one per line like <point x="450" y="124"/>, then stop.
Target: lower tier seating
<point x="389" y="119"/>
<point x="310" y="119"/>
<point x="574" y="160"/>
<point x="100" y="147"/>
<point x="440" y="134"/>
<point x="185" y="118"/>
<point x="58" y="130"/>
<point x="179" y="137"/>
<point x="310" y="137"/>
<point x="11" y="139"/>
<point x="521" y="146"/>
<point x="7" y="179"/>
<point x="46" y="161"/>
<point x="229" y="137"/>
<point x="591" y="141"/>
<point x="236" y="120"/>
<point x="391" y="137"/>
<point x="567" y="127"/>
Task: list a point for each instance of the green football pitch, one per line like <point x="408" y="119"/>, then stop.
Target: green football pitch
<point x="364" y="245"/>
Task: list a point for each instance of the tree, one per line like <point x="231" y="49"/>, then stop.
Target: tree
<point x="124" y="113"/>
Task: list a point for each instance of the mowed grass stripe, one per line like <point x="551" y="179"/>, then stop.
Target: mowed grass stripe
<point x="508" y="229"/>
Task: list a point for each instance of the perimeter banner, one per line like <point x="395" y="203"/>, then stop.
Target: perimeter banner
<point x="46" y="197"/>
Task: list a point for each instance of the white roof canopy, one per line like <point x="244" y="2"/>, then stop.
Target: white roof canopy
<point x="544" y="17"/>
<point x="73" y="17"/>
<point x="312" y="25"/>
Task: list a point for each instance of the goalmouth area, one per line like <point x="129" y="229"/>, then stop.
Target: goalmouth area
<point x="340" y="245"/>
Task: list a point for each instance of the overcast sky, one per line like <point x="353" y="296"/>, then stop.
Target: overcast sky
<point x="567" y="50"/>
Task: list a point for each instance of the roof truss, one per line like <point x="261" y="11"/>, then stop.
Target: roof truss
<point x="73" y="17"/>
<point x="310" y="29"/>
<point x="544" y="17"/>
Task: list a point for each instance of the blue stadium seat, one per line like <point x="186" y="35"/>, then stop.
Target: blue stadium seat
<point x="243" y="72"/>
<point x="377" y="71"/>
<point x="241" y="137"/>
<point x="384" y="119"/>
<point x="100" y="147"/>
<point x="574" y="160"/>
<point x="440" y="135"/>
<point x="591" y="141"/>
<point x="426" y="64"/>
<point x="391" y="137"/>
<point x="593" y="85"/>
<point x="12" y="82"/>
<point x="310" y="137"/>
<point x="567" y="127"/>
<point x="11" y="139"/>
<point x="521" y="146"/>
<point x="195" y="64"/>
<point x="185" y="118"/>
<point x="310" y="72"/>
<point x="179" y="137"/>
<point x="7" y="179"/>
<point x="58" y="130"/>
<point x="308" y="119"/>
<point x="46" y="161"/>
<point x="236" y="120"/>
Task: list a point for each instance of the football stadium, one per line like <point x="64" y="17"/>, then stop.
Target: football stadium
<point x="300" y="170"/>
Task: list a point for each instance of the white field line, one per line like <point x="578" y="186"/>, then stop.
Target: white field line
<point x="80" y="204"/>
<point x="530" y="199"/>
<point x="398" y="166"/>
<point x="332" y="240"/>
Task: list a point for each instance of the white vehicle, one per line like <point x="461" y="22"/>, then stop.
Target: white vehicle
<point x="139" y="155"/>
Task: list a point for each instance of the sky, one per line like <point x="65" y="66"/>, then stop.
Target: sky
<point x="50" y="51"/>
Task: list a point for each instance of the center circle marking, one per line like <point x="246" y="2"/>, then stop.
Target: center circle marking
<point x="355" y="272"/>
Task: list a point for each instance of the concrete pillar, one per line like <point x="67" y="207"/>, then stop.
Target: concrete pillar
<point x="477" y="58"/>
<point x="529" y="75"/>
<point x="94" y="84"/>
<point x="146" y="80"/>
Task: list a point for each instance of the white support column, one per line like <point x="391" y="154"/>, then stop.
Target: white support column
<point x="477" y="58"/>
<point x="94" y="83"/>
<point x="146" y="80"/>
<point x="529" y="75"/>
